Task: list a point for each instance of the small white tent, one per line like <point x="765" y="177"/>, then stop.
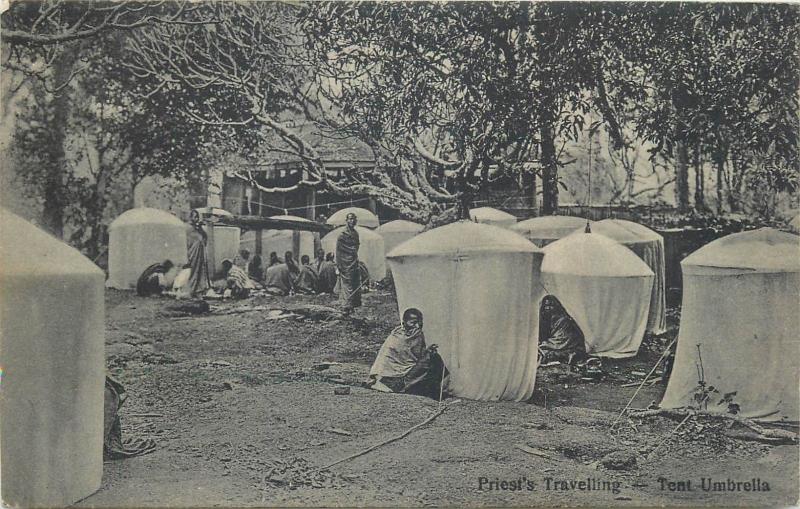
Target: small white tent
<point x="396" y="232"/>
<point x="53" y="360"/>
<point x="474" y="284"/>
<point x="365" y="218"/>
<point x="546" y="229"/>
<point x="298" y="242"/>
<point x="489" y="215"/>
<point x="141" y="237"/>
<point x="794" y="224"/>
<point x="370" y="251"/>
<point x="649" y="246"/>
<point x="740" y="310"/>
<point x="604" y="287"/>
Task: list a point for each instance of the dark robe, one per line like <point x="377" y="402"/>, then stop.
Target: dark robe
<point x="561" y="338"/>
<point x="254" y="269"/>
<point x="148" y="283"/>
<point x="327" y="276"/>
<point x="199" y="281"/>
<point x="307" y="281"/>
<point x="349" y="273"/>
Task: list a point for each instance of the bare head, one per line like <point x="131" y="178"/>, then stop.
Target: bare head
<point x="351" y="220"/>
<point x="412" y="319"/>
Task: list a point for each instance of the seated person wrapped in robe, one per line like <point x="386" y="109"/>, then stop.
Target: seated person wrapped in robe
<point x="405" y="364"/>
<point x="560" y="338"/>
<point x="153" y="279"/>
<point x="307" y="280"/>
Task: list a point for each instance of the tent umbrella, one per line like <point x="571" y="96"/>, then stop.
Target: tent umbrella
<point x="474" y="284"/>
<point x="739" y="325"/>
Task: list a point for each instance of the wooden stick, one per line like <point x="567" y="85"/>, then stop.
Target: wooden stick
<point x="748" y="423"/>
<point x="389" y="441"/>
<point x="663" y="355"/>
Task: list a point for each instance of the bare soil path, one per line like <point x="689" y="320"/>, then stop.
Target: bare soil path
<point x="237" y="397"/>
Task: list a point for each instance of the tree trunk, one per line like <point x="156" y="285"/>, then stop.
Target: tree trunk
<point x="719" y="162"/>
<point x="682" y="177"/>
<point x="549" y="168"/>
<point x="53" y="195"/>
<point x="699" y="182"/>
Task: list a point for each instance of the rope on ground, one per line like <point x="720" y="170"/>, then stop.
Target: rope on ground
<point x="663" y="355"/>
<point x="410" y="430"/>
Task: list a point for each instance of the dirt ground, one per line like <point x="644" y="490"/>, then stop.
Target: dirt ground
<point x="243" y="413"/>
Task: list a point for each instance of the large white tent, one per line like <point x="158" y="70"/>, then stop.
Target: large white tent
<point x="649" y="246"/>
<point x="489" y="215"/>
<point x="396" y="232"/>
<point x="739" y="325"/>
<point x="365" y="217"/>
<point x="546" y="229"/>
<point x="604" y="287"/>
<point x="141" y="237"/>
<point x="474" y="284"/>
<point x="298" y="242"/>
<point x="53" y="360"/>
<point x="370" y="251"/>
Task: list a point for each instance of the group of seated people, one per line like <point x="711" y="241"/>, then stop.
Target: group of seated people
<point x="244" y="274"/>
<point x="286" y="277"/>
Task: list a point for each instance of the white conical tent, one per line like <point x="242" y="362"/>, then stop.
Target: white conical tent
<point x="741" y="306"/>
<point x="141" y="237"/>
<point x="474" y="284"/>
<point x="396" y="232"/>
<point x="365" y="218"/>
<point x="53" y="360"/>
<point x="489" y="215"/>
<point x="649" y="246"/>
<point x="546" y="229"/>
<point x="298" y="242"/>
<point x="370" y="251"/>
<point x="794" y="224"/>
<point x="604" y="287"/>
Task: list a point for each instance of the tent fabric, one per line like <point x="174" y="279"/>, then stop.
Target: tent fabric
<point x="365" y="217"/>
<point x="370" y="250"/>
<point x="474" y="284"/>
<point x="53" y="360"/>
<point x="794" y="224"/>
<point x="604" y="287"/>
<point x="649" y="246"/>
<point x="546" y="229"/>
<point x="139" y="238"/>
<point x="396" y="232"/>
<point x="489" y="215"/>
<point x="762" y="250"/>
<point x="744" y="321"/>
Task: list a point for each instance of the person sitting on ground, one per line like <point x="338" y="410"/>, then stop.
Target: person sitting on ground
<point x="236" y="280"/>
<point x="308" y="280"/>
<point x="254" y="269"/>
<point x="278" y="279"/>
<point x="560" y="338"/>
<point x="288" y="259"/>
<point x="330" y="257"/>
<point x="153" y="280"/>
<point x="405" y="364"/>
<point x="180" y="287"/>
<point x="273" y="259"/>
<point x="242" y="259"/>
<point x="326" y="271"/>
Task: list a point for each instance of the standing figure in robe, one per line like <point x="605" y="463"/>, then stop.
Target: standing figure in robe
<point x="347" y="262"/>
